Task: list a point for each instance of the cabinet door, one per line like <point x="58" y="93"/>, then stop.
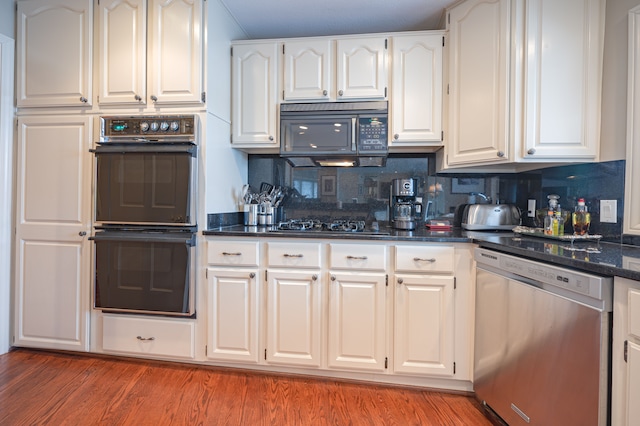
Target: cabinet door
<point x="416" y="90"/>
<point x="357" y="321"/>
<point x="361" y="68"/>
<point x="122" y="51"/>
<point x="254" y="103"/>
<point x="53" y="187"/>
<point x="563" y="68"/>
<point x="631" y="222"/>
<point x="307" y="68"/>
<point x="424" y="325"/>
<point x="479" y="81"/>
<point x="175" y="57"/>
<point x="53" y="55"/>
<point x="633" y="384"/>
<point x="293" y="318"/>
<point x="233" y="315"/>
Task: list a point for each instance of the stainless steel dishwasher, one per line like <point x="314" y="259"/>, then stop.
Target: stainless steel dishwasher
<point x="541" y="341"/>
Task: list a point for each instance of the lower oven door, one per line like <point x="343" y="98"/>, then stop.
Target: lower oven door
<point x="145" y="272"/>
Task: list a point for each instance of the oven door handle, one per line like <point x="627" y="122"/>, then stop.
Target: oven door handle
<point x="146" y="148"/>
<point x="146" y="237"/>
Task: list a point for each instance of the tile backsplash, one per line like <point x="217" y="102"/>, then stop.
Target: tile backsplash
<point x="363" y="192"/>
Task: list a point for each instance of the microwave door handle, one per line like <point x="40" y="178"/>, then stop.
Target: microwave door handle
<point x="353" y="134"/>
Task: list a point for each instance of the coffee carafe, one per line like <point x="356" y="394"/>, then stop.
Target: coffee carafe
<point x="406" y="208"/>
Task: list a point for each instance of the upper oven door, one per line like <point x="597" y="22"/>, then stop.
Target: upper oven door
<point x="146" y="184"/>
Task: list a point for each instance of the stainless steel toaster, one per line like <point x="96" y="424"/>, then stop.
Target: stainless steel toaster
<point x="490" y="217"/>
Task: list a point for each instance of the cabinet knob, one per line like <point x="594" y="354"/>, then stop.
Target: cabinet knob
<point x="270" y="138"/>
<point x="531" y="151"/>
<point x="252" y="275"/>
<point x="137" y="98"/>
<point x="83" y="99"/>
<point x="396" y="136"/>
<point x="82" y="233"/>
<point x="400" y="280"/>
<point x="340" y="92"/>
<point x="500" y="154"/>
<point x="333" y="277"/>
<point x="314" y="277"/>
<point x="325" y="93"/>
<point x="154" y="98"/>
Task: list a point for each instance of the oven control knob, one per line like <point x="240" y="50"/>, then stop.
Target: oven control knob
<point x="164" y="126"/>
<point x="144" y="126"/>
<point x="154" y="126"/>
<point x="175" y="126"/>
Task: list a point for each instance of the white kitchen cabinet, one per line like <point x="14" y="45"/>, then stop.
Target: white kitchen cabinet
<point x="308" y="69"/>
<point x="424" y="321"/>
<point x="524" y="81"/>
<point x="632" y="174"/>
<point x="357" y="71"/>
<point x="294" y="318"/>
<point x="626" y="352"/>
<point x="233" y="301"/>
<point x="150" y="51"/>
<point x="53" y="217"/>
<point x="148" y="337"/>
<point x="416" y="89"/>
<point x="53" y="54"/>
<point x="358" y="306"/>
<point x="254" y="102"/>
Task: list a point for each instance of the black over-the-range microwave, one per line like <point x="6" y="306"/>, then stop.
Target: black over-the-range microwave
<point x="334" y="133"/>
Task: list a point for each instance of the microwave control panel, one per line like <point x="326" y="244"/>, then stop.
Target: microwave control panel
<point x="372" y="135"/>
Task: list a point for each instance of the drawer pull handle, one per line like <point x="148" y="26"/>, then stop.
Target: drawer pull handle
<point x="418" y="259"/>
<point x="224" y="253"/>
<point x="292" y="255"/>
<point x="146" y="339"/>
<point x="357" y="257"/>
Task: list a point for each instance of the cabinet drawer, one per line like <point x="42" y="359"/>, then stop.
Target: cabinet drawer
<point x="358" y="256"/>
<point x="294" y="255"/>
<point x="148" y="336"/>
<point x="424" y="258"/>
<point x="234" y="253"/>
<point x="634" y="313"/>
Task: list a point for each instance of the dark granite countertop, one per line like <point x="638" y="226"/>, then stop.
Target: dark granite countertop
<point x="603" y="258"/>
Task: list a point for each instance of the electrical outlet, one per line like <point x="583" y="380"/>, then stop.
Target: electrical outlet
<point x="608" y="211"/>
<point x="531" y="208"/>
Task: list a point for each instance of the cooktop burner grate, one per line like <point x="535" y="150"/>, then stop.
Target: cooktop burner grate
<point x="318" y="225"/>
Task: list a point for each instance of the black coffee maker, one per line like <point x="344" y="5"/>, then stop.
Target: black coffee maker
<point x="405" y="207"/>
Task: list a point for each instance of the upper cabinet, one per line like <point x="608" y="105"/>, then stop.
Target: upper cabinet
<point x="254" y="102"/>
<point x="416" y="89"/>
<point x="150" y="52"/>
<point x="632" y="198"/>
<point x="323" y="69"/>
<point x="524" y="81"/>
<point x="53" y="55"/>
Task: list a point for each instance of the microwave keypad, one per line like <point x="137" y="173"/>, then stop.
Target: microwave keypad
<point x="372" y="134"/>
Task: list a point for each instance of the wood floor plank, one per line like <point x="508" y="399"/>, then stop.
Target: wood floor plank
<point x="41" y="387"/>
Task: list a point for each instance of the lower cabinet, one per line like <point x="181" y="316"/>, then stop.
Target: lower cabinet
<point x="145" y="336"/>
<point x="626" y="352"/>
<point x="293" y="315"/>
<point x="424" y="325"/>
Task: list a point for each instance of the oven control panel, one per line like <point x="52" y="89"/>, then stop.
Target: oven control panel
<point x="147" y="128"/>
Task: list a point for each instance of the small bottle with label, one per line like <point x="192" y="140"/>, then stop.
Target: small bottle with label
<point x="558" y="225"/>
<point x="581" y="218"/>
<point x="548" y="223"/>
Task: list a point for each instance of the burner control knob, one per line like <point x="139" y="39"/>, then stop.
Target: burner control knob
<point x="144" y="126"/>
<point x="164" y="126"/>
<point x="175" y="126"/>
<point x="154" y="126"/>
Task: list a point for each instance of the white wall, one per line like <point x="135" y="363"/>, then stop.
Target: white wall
<point x="614" y="81"/>
<point x="6" y="182"/>
<point x="7" y="18"/>
<point x="226" y="168"/>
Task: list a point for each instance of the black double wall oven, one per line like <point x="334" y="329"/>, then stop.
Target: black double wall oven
<point x="145" y="215"/>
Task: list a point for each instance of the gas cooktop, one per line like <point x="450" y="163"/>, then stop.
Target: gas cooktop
<point x="318" y="225"/>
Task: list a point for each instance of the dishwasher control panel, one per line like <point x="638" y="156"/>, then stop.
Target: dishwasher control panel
<point x="582" y="283"/>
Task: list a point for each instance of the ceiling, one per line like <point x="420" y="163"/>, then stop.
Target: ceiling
<point x="305" y="18"/>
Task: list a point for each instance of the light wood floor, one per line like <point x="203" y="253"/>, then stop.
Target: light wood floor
<point x="40" y="387"/>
